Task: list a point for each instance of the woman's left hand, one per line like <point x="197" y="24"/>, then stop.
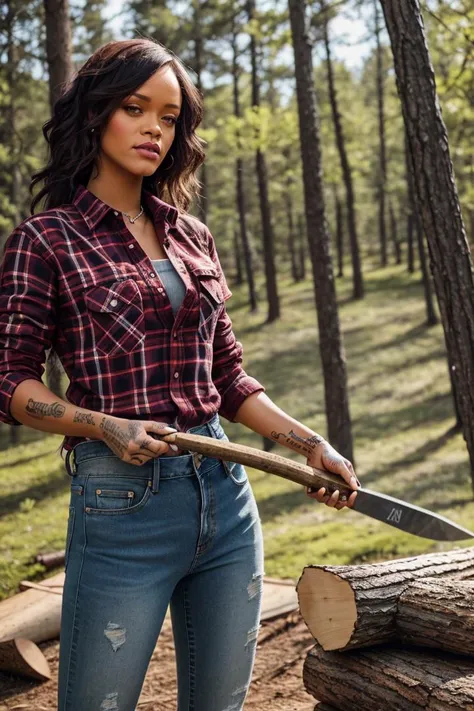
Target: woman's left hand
<point x="326" y="457"/>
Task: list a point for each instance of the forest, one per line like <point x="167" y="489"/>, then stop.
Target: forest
<point x="339" y="187"/>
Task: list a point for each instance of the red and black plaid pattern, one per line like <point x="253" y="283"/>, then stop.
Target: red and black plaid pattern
<point x="75" y="278"/>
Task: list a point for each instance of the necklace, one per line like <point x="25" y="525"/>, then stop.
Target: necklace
<point x="132" y="219"/>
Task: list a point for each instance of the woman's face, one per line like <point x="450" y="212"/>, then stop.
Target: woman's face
<point x="148" y="118"/>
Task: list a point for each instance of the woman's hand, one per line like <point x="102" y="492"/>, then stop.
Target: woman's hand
<point x="324" y="456"/>
<point x="129" y="439"/>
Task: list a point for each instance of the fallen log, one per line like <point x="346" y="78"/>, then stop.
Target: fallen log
<point x="23" y="657"/>
<point x="392" y="679"/>
<point x="33" y="614"/>
<point x="51" y="560"/>
<point x="348" y="606"/>
<point x="438" y="614"/>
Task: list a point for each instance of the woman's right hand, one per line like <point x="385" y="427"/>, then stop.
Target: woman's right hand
<point x="129" y="439"/>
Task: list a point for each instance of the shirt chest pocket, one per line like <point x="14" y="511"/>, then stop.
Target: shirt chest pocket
<point x="117" y="318"/>
<point x="211" y="302"/>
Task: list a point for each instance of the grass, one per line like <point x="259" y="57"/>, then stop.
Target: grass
<point x="402" y="419"/>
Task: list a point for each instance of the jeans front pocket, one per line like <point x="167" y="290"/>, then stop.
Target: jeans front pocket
<point x="106" y="496"/>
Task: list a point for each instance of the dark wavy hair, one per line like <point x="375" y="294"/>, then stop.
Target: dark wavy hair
<point x="113" y="72"/>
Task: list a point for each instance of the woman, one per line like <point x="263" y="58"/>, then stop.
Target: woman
<point x="128" y="290"/>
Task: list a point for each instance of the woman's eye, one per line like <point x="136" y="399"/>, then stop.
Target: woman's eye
<point x="172" y="119"/>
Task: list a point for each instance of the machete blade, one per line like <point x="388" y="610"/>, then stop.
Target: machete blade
<point x="408" y="517"/>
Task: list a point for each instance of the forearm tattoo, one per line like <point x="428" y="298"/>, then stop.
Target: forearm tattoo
<point x="84" y="418"/>
<point x="40" y="410"/>
<point x="307" y="445"/>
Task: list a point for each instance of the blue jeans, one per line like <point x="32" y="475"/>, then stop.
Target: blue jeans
<point x="179" y="530"/>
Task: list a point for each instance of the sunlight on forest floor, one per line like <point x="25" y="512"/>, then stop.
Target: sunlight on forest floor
<point x="401" y="410"/>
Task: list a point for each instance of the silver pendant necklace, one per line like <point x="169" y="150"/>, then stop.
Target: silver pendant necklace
<point x="132" y="219"/>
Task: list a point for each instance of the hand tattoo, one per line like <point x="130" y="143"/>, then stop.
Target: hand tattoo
<point x="40" y="410"/>
<point x="302" y="444"/>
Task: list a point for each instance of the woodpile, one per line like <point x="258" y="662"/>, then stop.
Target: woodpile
<point x="393" y="636"/>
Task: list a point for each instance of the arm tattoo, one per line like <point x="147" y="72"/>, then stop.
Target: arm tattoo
<point x="84" y="417"/>
<point x="293" y="441"/>
<point x="40" y="410"/>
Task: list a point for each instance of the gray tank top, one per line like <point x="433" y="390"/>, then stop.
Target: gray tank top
<point x="172" y="282"/>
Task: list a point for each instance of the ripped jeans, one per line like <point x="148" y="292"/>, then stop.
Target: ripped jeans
<point x="178" y="530"/>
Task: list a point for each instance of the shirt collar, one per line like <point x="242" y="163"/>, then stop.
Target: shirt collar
<point x="93" y="209"/>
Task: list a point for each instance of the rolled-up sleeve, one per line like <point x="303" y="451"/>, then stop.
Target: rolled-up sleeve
<point x="28" y="309"/>
<point x="228" y="375"/>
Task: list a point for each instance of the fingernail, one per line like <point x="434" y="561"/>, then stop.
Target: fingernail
<point x="174" y="447"/>
<point x="354" y="481"/>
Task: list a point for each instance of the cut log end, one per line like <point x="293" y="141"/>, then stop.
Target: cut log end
<point x="24" y="657"/>
<point x="330" y="615"/>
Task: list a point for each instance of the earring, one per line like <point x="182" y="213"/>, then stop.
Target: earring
<point x="172" y="163"/>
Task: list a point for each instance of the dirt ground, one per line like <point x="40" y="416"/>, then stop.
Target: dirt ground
<point x="277" y="682"/>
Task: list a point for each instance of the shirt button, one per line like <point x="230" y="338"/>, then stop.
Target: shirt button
<point x="152" y="275"/>
<point x="176" y="375"/>
<point x="113" y="302"/>
<point x="115" y="212"/>
<point x="131" y="246"/>
<point x="160" y="290"/>
<point x="175" y="335"/>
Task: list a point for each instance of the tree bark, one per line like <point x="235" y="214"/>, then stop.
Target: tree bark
<point x="437" y="614"/>
<point x="302" y="248"/>
<point x="410" y="212"/>
<point x="261" y="167"/>
<point x="437" y="199"/>
<point x="348" y="606"/>
<point x="382" y="175"/>
<point x="331" y="347"/>
<point x="339" y="235"/>
<point x="357" y="279"/>
<point x="390" y="680"/>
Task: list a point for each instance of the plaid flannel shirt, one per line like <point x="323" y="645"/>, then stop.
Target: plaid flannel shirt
<point x="75" y="278"/>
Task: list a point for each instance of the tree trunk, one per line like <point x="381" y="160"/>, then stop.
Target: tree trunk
<point x="240" y="193"/>
<point x="331" y="347"/>
<point x="198" y="66"/>
<point x="11" y="139"/>
<point x="239" y="277"/>
<point x="382" y="175"/>
<point x="261" y="167"/>
<point x="393" y="230"/>
<point x="60" y="69"/>
<point x="302" y="248"/>
<point x="339" y="235"/>
<point x="346" y="606"/>
<point x="291" y="229"/>
<point x="410" y="212"/>
<point x="390" y="680"/>
<point x="437" y="199"/>
<point x="431" y="317"/>
<point x="357" y="279"/>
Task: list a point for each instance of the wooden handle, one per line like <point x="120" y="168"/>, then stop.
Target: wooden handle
<point x="265" y="461"/>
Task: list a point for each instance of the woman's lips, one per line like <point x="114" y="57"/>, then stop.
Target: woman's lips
<point x="146" y="153"/>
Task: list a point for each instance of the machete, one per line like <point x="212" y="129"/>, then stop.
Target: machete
<point x="394" y="512"/>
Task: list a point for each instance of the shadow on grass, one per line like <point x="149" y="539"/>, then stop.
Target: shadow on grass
<point x="25" y="460"/>
<point x="418" y="455"/>
<point x="282" y="503"/>
<point x="57" y="483"/>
